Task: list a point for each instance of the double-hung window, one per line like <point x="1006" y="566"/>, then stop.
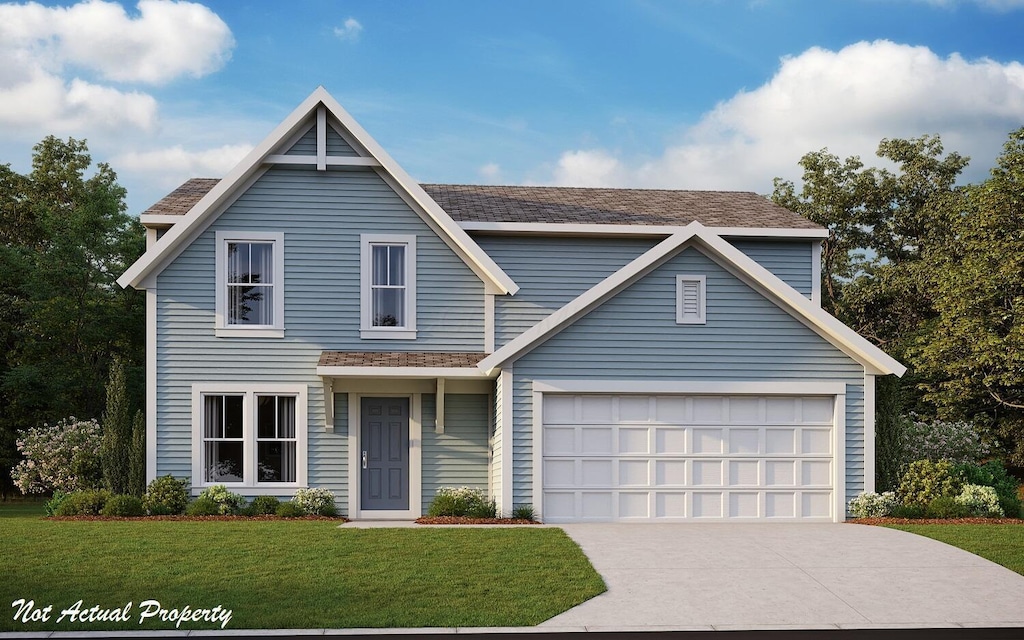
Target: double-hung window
<point x="250" y="284"/>
<point x="388" y="286"/>
<point x="251" y="436"/>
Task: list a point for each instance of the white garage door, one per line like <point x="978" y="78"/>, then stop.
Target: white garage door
<point x="639" y="457"/>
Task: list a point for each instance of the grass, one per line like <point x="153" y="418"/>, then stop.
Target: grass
<point x="280" y="574"/>
<point x="1000" y="543"/>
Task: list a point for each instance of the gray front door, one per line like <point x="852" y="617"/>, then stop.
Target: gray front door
<point x="385" y="454"/>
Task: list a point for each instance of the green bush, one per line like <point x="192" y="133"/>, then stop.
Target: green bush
<point x="290" y="510"/>
<point x="524" y="512"/>
<point x="203" y="506"/>
<point x="462" y="501"/>
<point x="946" y="507"/>
<point x="84" y="503"/>
<point x="124" y="507"/>
<point x="910" y="511"/>
<point x="228" y="503"/>
<point x="994" y="474"/>
<point x="924" y="481"/>
<point x="263" y="506"/>
<point x="316" y="501"/>
<point x="51" y="505"/>
<point x="873" y="505"/>
<point x="166" y="496"/>
<point x="981" y="501"/>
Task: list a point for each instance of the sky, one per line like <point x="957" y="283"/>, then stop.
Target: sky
<point x="685" y="94"/>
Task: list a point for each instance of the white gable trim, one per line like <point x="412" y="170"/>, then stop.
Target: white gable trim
<point x="788" y="298"/>
<point x="582" y="229"/>
<point x="214" y="202"/>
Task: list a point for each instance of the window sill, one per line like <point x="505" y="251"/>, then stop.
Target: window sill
<point x="386" y="334"/>
<point x="250" y="490"/>
<point x="238" y="332"/>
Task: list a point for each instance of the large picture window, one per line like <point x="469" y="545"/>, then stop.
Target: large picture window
<point x="250" y="284"/>
<point x="388" y="286"/>
<point x="252" y="436"/>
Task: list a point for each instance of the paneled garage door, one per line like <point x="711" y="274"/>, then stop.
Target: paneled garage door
<point x="668" y="457"/>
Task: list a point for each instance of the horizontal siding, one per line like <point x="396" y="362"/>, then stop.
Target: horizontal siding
<point x="321" y="215"/>
<point x="336" y="145"/>
<point x="634" y="336"/>
<point x="305" y="146"/>
<point x="457" y="457"/>
<point x="791" y="261"/>
<point x="551" y="272"/>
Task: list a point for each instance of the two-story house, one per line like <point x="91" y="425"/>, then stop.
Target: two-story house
<point x="318" y="318"/>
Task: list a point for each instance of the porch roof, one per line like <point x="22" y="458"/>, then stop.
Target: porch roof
<point x="405" y="364"/>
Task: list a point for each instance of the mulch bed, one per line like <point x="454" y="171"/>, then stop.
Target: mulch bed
<point x="201" y="518"/>
<point x="877" y="521"/>
<point x="468" y="520"/>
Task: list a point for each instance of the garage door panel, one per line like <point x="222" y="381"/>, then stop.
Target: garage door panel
<point x="635" y="457"/>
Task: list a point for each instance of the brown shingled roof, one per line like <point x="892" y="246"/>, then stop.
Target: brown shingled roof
<point x="561" y="205"/>
<point x="399" y="359"/>
<point x="473" y="203"/>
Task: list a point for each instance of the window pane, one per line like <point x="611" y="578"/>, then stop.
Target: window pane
<point x="233" y="417"/>
<point x="389" y="307"/>
<point x="213" y="412"/>
<point x="261" y="267"/>
<point x="224" y="461"/>
<point x="380" y="264"/>
<point x="265" y="417"/>
<point x="396" y="265"/>
<point x="285" y="417"/>
<point x="276" y="461"/>
<point x="250" y="305"/>
<point x="238" y="262"/>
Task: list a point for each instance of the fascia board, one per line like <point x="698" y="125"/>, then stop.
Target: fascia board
<point x="400" y="372"/>
<point x="582" y="229"/>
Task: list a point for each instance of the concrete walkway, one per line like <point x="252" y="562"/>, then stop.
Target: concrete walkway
<point x="742" y="576"/>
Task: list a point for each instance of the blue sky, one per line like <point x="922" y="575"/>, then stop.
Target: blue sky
<point x="697" y="94"/>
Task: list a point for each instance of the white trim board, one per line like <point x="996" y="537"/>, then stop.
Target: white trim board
<point x="576" y="229"/>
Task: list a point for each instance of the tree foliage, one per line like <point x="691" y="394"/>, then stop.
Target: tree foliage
<point x="64" y="238"/>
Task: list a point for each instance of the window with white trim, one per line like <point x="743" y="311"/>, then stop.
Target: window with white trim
<point x="249" y="436"/>
<point x="250" y="284"/>
<point x="691" y="300"/>
<point x="388" y="286"/>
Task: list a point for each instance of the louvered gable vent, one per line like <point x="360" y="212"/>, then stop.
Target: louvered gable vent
<point x="690" y="300"/>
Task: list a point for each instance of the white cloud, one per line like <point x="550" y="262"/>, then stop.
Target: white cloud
<point x="178" y="161"/>
<point x="56" y="60"/>
<point x="490" y="172"/>
<point x="845" y="100"/>
<point x="349" y="31"/>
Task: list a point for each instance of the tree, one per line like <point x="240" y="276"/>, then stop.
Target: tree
<point x="65" y="238"/>
<point x="973" y="350"/>
<point x="116" y="450"/>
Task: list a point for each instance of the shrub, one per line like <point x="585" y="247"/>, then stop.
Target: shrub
<point x="166" y="496"/>
<point x="924" y="481"/>
<point x="462" y="501"/>
<point x="993" y="474"/>
<point x="980" y="501"/>
<point x="290" y="510"/>
<point x="228" y="503"/>
<point x="957" y="442"/>
<point x="318" y="502"/>
<point x="203" y="506"/>
<point x="89" y="502"/>
<point x="65" y="456"/>
<point x="264" y="506"/>
<point x="946" y="507"/>
<point x="124" y="507"/>
<point x="873" y="505"/>
<point x="524" y="512"/>
<point x="910" y="511"/>
<point x="51" y="505"/>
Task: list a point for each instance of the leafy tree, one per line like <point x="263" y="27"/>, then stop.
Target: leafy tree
<point x="65" y="238"/>
<point x="116" y="450"/>
<point x="973" y="351"/>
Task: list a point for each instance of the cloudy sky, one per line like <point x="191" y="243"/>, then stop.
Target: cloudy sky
<point x="699" y="94"/>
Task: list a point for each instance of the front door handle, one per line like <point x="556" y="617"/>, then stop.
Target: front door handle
<point x="364" y="459"/>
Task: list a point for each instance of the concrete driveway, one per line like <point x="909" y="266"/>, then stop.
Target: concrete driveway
<point x="731" y="576"/>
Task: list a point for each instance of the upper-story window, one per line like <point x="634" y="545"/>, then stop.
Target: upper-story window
<point x="691" y="300"/>
<point x="388" y="286"/>
<point x="250" y="284"/>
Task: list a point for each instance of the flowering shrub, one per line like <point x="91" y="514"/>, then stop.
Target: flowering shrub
<point x="939" y="440"/>
<point x="873" y="505"/>
<point x="226" y="501"/>
<point x="318" y="502"/>
<point x="982" y="501"/>
<point x="462" y="501"/>
<point x="924" y="481"/>
<point x="65" y="456"/>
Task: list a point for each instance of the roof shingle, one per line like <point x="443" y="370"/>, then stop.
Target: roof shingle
<point x="442" y="359"/>
<point x="182" y="199"/>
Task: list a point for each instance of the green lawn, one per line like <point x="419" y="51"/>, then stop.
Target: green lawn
<point x="290" y="574"/>
<point x="1000" y="543"/>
